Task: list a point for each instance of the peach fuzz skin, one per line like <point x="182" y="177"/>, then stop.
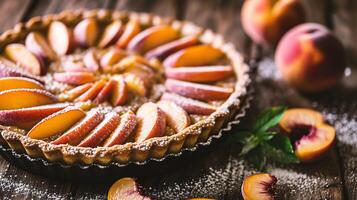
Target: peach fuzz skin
<point x="310" y="58"/>
<point x="266" y="21"/>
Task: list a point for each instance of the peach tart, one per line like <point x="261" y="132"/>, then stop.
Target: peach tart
<point x="114" y="87"/>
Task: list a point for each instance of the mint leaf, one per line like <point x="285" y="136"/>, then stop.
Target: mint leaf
<point x="265" y="136"/>
<point x="249" y="144"/>
<point x="269" y="118"/>
<point x="280" y="149"/>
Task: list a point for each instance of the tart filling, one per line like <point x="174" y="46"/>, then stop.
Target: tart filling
<point x="100" y="86"/>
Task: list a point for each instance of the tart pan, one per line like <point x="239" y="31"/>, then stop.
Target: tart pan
<point x="109" y="173"/>
<point x="137" y="153"/>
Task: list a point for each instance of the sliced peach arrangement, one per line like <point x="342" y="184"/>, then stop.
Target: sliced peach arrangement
<point x="75" y="134"/>
<point x="258" y="187"/>
<point x="312" y="138"/>
<point x="127" y="66"/>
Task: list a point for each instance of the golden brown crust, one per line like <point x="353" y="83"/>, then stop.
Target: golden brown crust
<point x="130" y="152"/>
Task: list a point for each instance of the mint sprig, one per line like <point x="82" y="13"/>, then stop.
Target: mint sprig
<point x="260" y="144"/>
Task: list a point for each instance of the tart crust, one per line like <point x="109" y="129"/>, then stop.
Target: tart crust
<point x="154" y="148"/>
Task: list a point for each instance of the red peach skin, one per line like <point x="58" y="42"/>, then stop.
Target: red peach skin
<point x="199" y="55"/>
<point x="151" y="122"/>
<point x="190" y="105"/>
<point x="122" y="132"/>
<point x="75" y="134"/>
<point x="161" y="52"/>
<point x="102" y="131"/>
<point x="310" y="58"/>
<point x="266" y="21"/>
<point x="197" y="91"/>
<point x="199" y="74"/>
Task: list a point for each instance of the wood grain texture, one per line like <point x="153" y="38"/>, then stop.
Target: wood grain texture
<point x="15" y="11"/>
<point x="218" y="171"/>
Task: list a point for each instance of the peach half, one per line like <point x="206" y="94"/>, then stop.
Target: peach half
<point x="266" y="21"/>
<point x="258" y="186"/>
<point x="312" y="138"/>
<point x="310" y="58"/>
<point x="125" y="188"/>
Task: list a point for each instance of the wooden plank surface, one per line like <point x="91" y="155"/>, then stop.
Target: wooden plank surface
<point x="217" y="173"/>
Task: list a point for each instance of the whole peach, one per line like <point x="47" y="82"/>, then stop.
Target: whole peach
<point x="310" y="58"/>
<point x="266" y="21"/>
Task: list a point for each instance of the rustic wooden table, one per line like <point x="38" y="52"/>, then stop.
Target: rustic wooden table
<point x="219" y="173"/>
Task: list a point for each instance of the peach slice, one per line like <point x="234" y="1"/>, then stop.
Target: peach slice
<point x="122" y="132"/>
<point x="60" y="38"/>
<point x="111" y="34"/>
<point x="135" y="84"/>
<point x="26" y="118"/>
<point x="74" y="66"/>
<point x="303" y="116"/>
<point x="258" y="186"/>
<point x="152" y="37"/>
<point x="56" y="123"/>
<point x="92" y="92"/>
<point x="102" y="131"/>
<point x="76" y="92"/>
<point x="131" y="29"/>
<point x="105" y="92"/>
<point x="151" y="122"/>
<point x="316" y="143"/>
<point x="110" y="58"/>
<point x="120" y="92"/>
<point x="162" y="51"/>
<point x="12" y="72"/>
<point x="311" y="137"/>
<point x="199" y="74"/>
<point x="75" y="134"/>
<point x="190" y="105"/>
<point x="38" y="45"/>
<point x="197" y="91"/>
<point x="194" y="56"/>
<point x="74" y="78"/>
<point x="86" y="32"/>
<point x="9" y="83"/>
<point x="23" y="98"/>
<point x="125" y="188"/>
<point x="176" y="117"/>
<point x="27" y="60"/>
<point x="91" y="61"/>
